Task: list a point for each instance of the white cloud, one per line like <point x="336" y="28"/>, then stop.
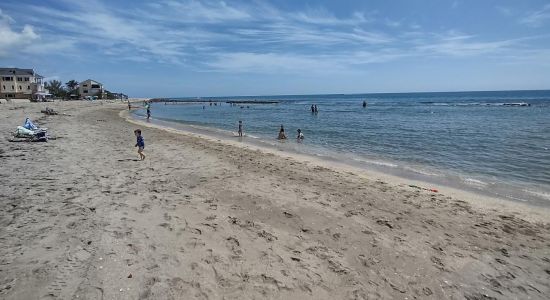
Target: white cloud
<point x="322" y="17"/>
<point x="455" y="4"/>
<point x="537" y="18"/>
<point x="299" y="63"/>
<point x="205" y="11"/>
<point x="264" y="63"/>
<point x="63" y="47"/>
<point x="169" y="31"/>
<point x="93" y="24"/>
<point x="460" y="48"/>
<point x="240" y="37"/>
<point x="464" y="46"/>
<point x="457" y="44"/>
<point x="392" y="23"/>
<point x="505" y="11"/>
<point x="12" y="40"/>
<point x="532" y="56"/>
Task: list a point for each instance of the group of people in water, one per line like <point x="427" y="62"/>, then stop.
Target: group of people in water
<point x="314" y="109"/>
<point x="282" y="135"/>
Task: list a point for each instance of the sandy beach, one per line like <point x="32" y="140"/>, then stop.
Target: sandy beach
<point x="82" y="218"/>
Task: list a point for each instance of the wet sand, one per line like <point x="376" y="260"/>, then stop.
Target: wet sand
<point x="81" y="217"/>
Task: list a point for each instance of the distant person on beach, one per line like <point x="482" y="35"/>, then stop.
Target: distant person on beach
<point x="300" y="135"/>
<point x="140" y="143"/>
<point x="148" y="107"/>
<point x="312" y="109"/>
<point x="240" y="128"/>
<point x="282" y="135"/>
<point x="316" y="110"/>
<point x="364" y="103"/>
<point x="129" y="105"/>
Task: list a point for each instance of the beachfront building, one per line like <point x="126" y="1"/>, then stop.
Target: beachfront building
<point x="91" y="88"/>
<point x="120" y="96"/>
<point x="18" y="83"/>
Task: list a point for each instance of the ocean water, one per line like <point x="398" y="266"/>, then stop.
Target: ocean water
<point x="475" y="140"/>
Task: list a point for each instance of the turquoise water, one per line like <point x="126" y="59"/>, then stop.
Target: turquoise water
<point x="479" y="140"/>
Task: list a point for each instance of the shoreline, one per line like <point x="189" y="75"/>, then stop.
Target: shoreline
<point x="488" y="176"/>
<point x="82" y="217"/>
<point x="483" y="201"/>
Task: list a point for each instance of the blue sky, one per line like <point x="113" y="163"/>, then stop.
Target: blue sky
<point x="171" y="48"/>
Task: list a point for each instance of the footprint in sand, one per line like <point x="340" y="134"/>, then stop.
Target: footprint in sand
<point x="234" y="246"/>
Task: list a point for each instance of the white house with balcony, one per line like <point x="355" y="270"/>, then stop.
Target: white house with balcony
<point x="18" y="83"/>
<point x="91" y="88"/>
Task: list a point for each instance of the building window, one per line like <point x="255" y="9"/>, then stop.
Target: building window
<point x="84" y="85"/>
<point x="27" y="78"/>
<point x="20" y="88"/>
<point x="19" y="78"/>
<point x="85" y="91"/>
<point x="28" y="87"/>
<point x="13" y="87"/>
<point x="7" y="78"/>
<point x="95" y="86"/>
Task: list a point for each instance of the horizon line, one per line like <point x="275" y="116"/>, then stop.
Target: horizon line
<point x="369" y="93"/>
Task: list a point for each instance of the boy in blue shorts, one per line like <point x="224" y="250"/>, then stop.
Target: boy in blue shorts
<point x="140" y="143"/>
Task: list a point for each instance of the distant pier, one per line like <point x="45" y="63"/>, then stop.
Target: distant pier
<point x="251" y="102"/>
<point x="232" y="102"/>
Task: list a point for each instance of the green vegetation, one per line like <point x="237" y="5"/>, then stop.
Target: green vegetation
<point x="56" y="88"/>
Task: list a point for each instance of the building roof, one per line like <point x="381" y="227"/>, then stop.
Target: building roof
<point x="90" y="80"/>
<point x="17" y="71"/>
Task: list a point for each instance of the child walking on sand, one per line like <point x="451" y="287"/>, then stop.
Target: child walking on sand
<point x="140" y="143"/>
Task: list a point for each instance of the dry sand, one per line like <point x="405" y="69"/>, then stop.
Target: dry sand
<point x="81" y="218"/>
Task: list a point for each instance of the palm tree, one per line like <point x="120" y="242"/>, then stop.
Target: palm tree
<point x="55" y="87"/>
<point x="71" y="85"/>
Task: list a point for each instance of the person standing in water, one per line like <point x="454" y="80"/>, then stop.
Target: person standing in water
<point x="148" y="107"/>
<point x="364" y="103"/>
<point x="316" y="110"/>
<point x="312" y="109"/>
<point x="240" y="128"/>
<point x="282" y="135"/>
<point x="300" y="136"/>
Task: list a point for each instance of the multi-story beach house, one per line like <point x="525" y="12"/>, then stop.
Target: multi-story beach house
<point x="18" y="83"/>
<point x="91" y="88"/>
